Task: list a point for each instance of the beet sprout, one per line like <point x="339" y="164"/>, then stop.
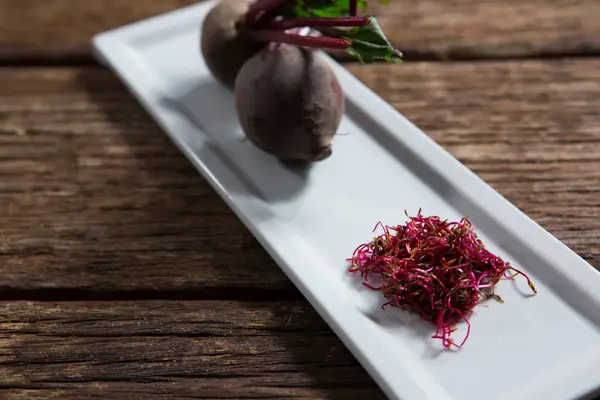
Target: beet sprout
<point x="438" y="269"/>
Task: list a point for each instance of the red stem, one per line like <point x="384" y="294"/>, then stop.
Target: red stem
<point x="353" y="8"/>
<point x="313" y="22"/>
<point x="261" y="9"/>
<point x="297" y="40"/>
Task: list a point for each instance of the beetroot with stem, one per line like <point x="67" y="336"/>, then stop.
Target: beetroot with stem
<point x="288" y="99"/>
<point x="235" y="30"/>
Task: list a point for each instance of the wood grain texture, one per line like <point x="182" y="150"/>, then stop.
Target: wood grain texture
<point x="97" y="201"/>
<point x="491" y="28"/>
<point x="55" y="30"/>
<point x="93" y="193"/>
<point x="157" y="349"/>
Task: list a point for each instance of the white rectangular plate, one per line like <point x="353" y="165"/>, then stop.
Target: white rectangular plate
<point x="541" y="347"/>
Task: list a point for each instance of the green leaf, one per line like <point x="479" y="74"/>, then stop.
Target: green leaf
<point x="368" y="43"/>
<point x="324" y="8"/>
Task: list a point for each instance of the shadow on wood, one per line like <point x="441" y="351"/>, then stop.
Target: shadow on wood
<point x="153" y="349"/>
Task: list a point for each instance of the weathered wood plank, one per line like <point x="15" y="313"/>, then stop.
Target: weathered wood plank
<point x="62" y="29"/>
<point x="83" y="169"/>
<point x="94" y="197"/>
<point x="191" y="349"/>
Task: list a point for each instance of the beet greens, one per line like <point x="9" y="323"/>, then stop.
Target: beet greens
<point x="268" y="20"/>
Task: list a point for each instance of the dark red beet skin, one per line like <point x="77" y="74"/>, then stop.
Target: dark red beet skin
<point x="289" y="102"/>
<point x="224" y="48"/>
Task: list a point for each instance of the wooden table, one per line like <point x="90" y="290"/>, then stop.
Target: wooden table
<point x="122" y="273"/>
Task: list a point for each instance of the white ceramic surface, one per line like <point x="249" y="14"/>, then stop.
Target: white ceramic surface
<point x="542" y="347"/>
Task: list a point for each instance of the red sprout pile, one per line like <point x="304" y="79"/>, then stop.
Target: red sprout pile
<point x="438" y="269"/>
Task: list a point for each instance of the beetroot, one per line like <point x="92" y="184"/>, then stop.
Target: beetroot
<point x="235" y="30"/>
<point x="289" y="102"/>
<point x="224" y="47"/>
